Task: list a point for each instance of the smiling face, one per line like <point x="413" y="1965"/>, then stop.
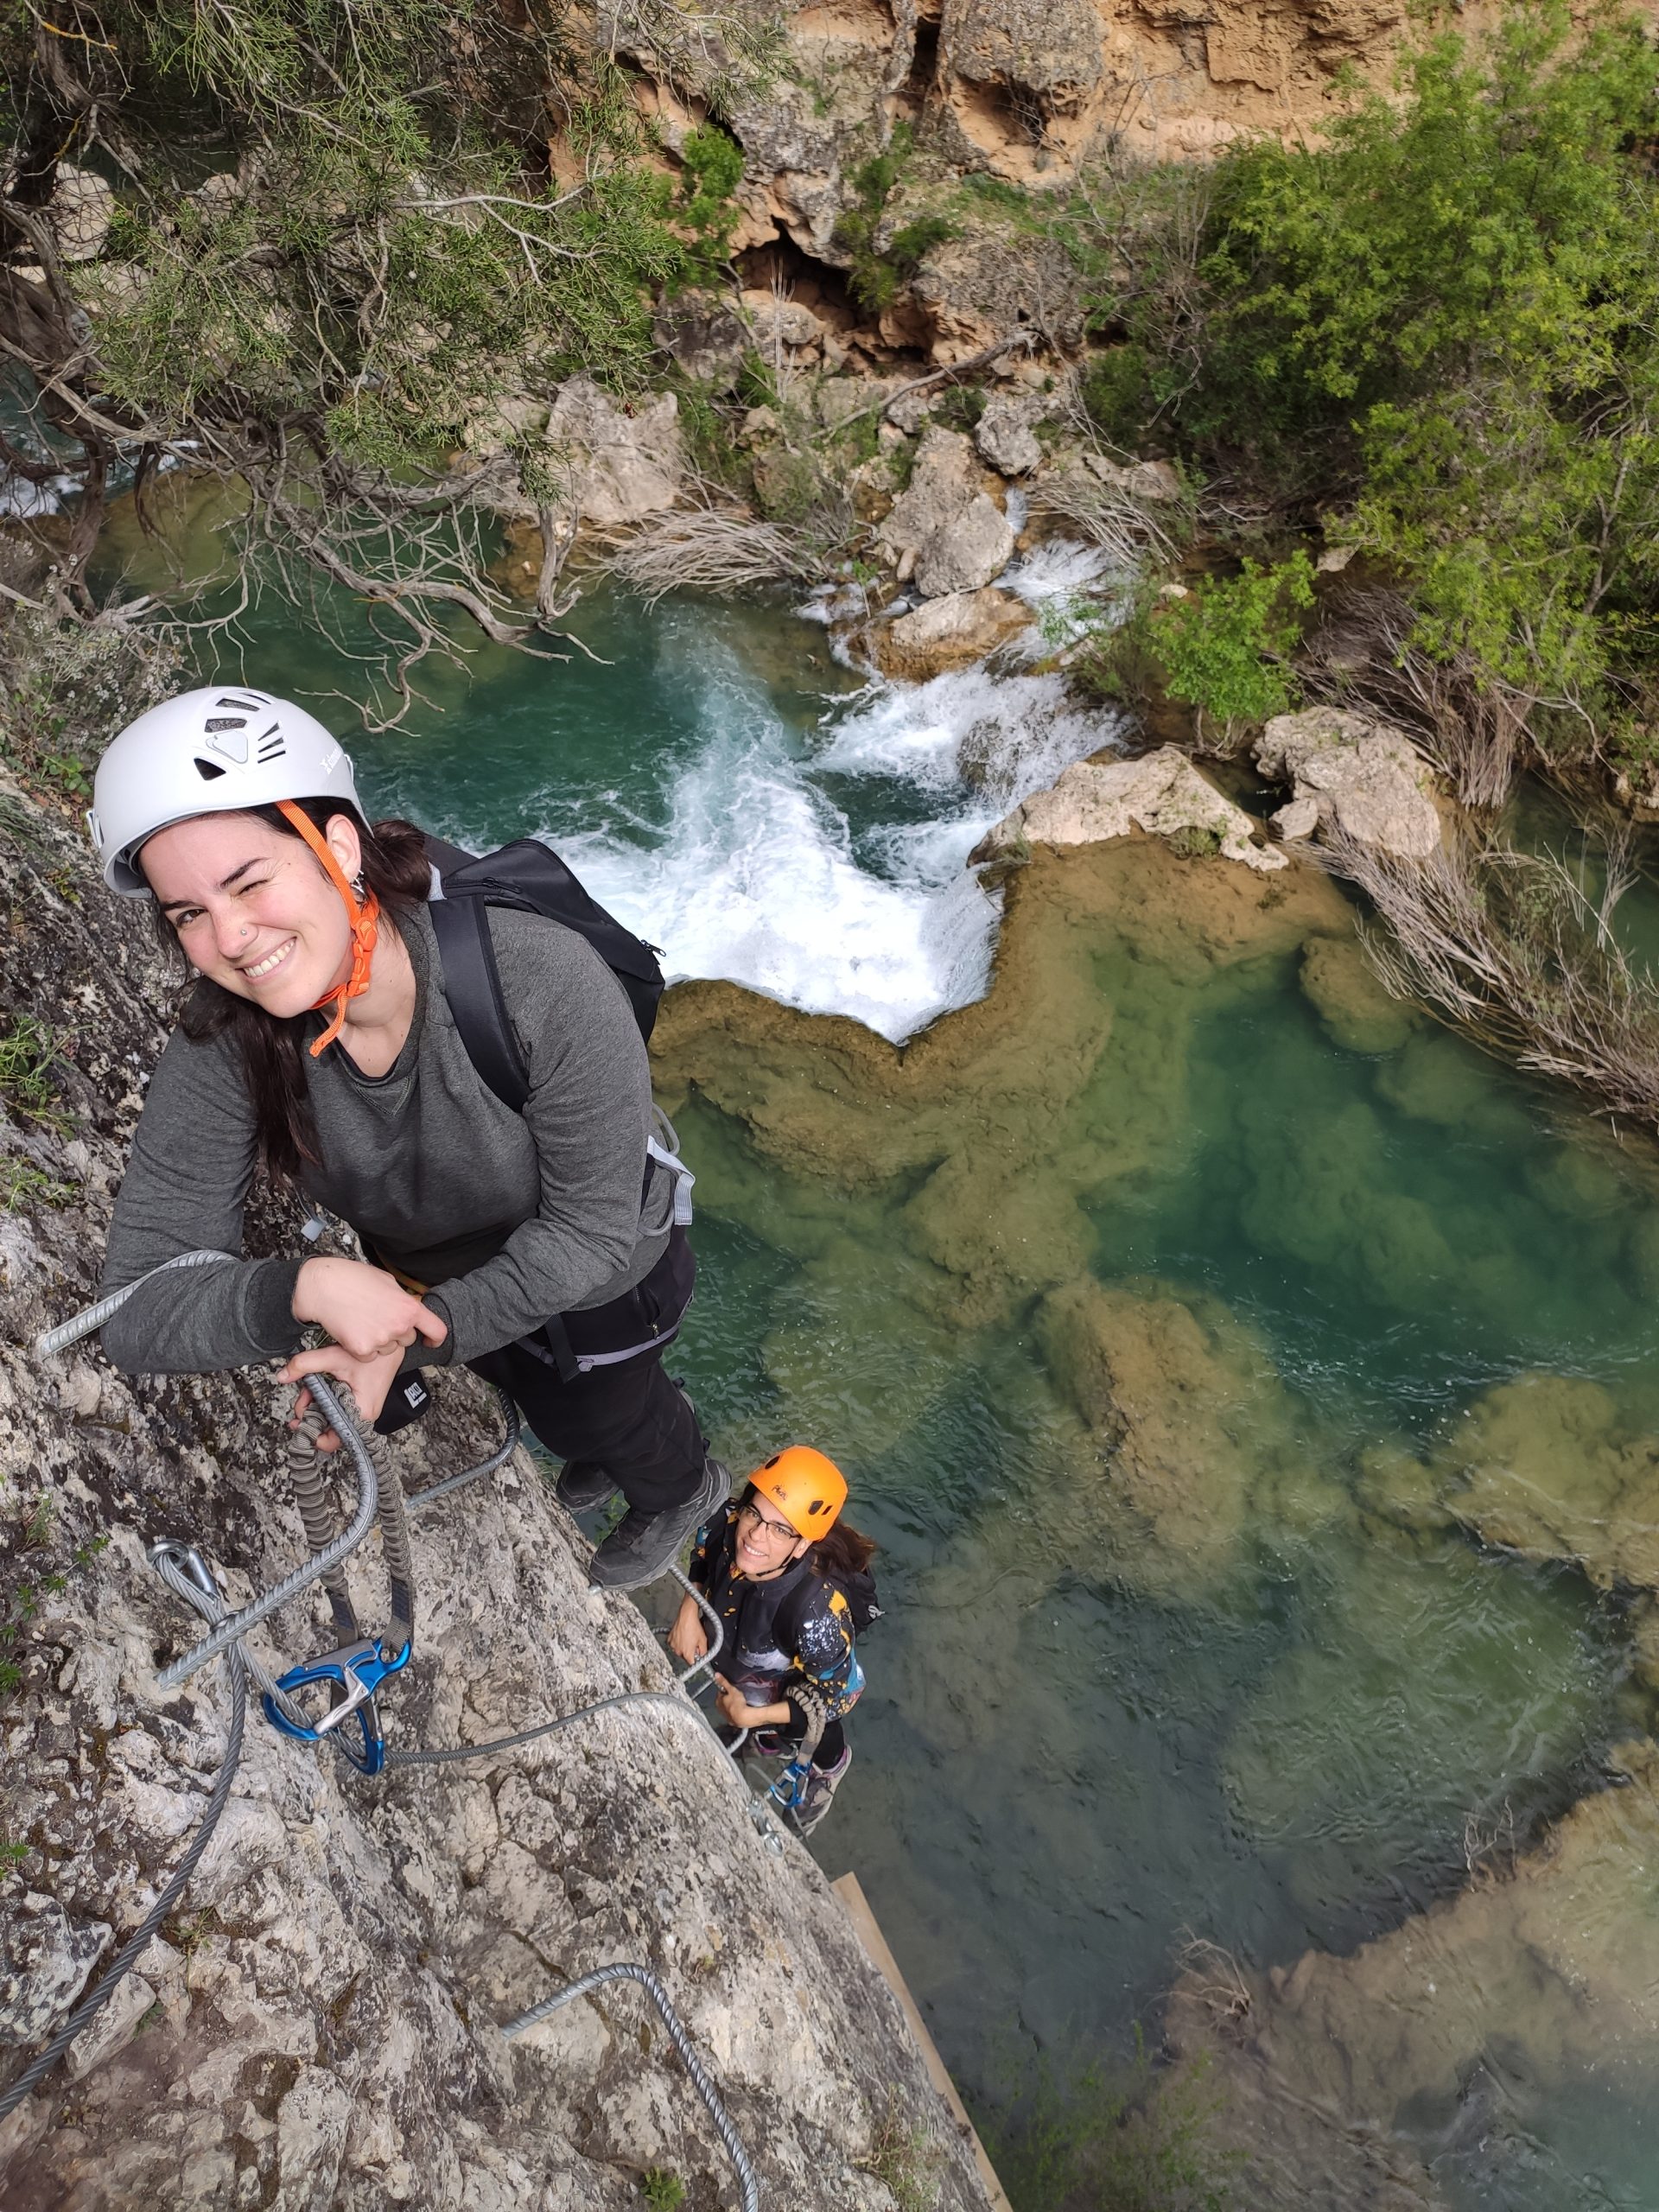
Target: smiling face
<point x="766" y="1542"/>
<point x="252" y="908"/>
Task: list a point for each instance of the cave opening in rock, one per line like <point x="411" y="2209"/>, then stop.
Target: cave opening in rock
<point x="782" y="266"/>
<point x="923" y="73"/>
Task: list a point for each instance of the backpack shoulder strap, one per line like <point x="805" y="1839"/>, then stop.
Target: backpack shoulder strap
<point x="472" y="983"/>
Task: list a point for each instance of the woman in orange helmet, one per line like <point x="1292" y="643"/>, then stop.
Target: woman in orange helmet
<point x="790" y="1581"/>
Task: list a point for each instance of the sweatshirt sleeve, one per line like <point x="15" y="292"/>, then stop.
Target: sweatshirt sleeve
<point x="588" y="1115"/>
<point x="186" y="1186"/>
<point x="825" y="1658"/>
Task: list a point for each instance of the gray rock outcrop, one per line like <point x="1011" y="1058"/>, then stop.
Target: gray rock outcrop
<point x="617" y="468"/>
<point x="1161" y="793"/>
<point x="314" y="2028"/>
<point x="1350" y="774"/>
<point x="1004" y="435"/>
<point x="945" y="533"/>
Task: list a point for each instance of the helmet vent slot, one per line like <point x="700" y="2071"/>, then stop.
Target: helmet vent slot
<point x="270" y="745"/>
<point x="242" y="706"/>
<point x="216" y="722"/>
<point x="207" y="769"/>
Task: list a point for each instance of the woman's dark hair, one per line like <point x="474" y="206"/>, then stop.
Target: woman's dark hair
<point x="396" y="869"/>
<point x="844" y="1552"/>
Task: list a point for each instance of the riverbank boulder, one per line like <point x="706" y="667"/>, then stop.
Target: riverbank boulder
<point x="1351" y="775"/>
<point x="950" y="632"/>
<point x="1161" y="793"/>
<point x="945" y="533"/>
<point x="617" y="468"/>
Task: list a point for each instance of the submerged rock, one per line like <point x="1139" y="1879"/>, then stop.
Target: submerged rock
<point x="1161" y="793"/>
<point x="1337" y="2077"/>
<point x="1362" y="777"/>
<point x="1194" y="1432"/>
<point x="1548" y="1466"/>
<point x="1358" y="1012"/>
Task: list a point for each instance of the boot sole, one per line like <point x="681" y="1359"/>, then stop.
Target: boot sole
<point x="653" y="1568"/>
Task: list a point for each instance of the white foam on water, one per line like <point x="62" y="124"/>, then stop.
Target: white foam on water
<point x="758" y="875"/>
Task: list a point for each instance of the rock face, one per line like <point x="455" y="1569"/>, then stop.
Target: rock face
<point x="1347" y="772"/>
<point x="80" y="210"/>
<point x="1004" y="435"/>
<point x="1161" y="793"/>
<point x="618" y="468"/>
<point x="950" y="632"/>
<point x="315" y="2028"/>
<point x="945" y="533"/>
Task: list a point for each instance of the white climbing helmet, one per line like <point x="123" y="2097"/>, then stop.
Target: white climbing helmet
<point x="215" y="751"/>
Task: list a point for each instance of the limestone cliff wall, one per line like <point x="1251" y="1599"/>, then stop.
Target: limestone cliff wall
<point x="317" y="2028"/>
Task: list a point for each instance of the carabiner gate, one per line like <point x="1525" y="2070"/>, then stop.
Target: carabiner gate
<point x="358" y="1669"/>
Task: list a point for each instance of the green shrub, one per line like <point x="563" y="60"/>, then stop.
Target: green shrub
<point x="1224" y="649"/>
<point x="877" y="273"/>
<point x="663" y="2190"/>
<point x="1438" y="330"/>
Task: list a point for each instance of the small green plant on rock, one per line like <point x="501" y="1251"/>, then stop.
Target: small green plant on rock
<point x="905" y="2159"/>
<point x="878" y="272"/>
<point x="663" y="2190"/>
<point x="27" y="1049"/>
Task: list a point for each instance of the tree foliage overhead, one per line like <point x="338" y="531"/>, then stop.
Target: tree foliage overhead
<point x="1439" y="333"/>
<point x="342" y="228"/>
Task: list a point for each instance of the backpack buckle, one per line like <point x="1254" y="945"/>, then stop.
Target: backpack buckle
<point x="358" y="1669"/>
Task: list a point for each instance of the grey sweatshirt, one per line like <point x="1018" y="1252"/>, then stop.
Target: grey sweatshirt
<point x="517" y="1215"/>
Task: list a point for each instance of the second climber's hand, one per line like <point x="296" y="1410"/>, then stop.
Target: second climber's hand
<point x="688" y="1639"/>
<point x="365" y="1311"/>
<point x="369" y="1380"/>
<point x="734" y="1709"/>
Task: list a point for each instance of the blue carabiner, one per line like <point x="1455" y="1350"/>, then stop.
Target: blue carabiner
<point x="359" y="1669"/>
<point x="795" y="1775"/>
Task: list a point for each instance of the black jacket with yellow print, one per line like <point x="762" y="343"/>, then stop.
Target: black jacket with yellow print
<point x="791" y="1631"/>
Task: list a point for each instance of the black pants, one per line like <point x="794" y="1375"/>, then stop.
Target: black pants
<point x="626" y="1416"/>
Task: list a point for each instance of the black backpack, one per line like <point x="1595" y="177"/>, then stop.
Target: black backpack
<point x="530" y="876"/>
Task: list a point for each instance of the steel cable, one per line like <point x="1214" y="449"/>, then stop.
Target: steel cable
<point x="93" y="2003"/>
<point x="700" y="2079"/>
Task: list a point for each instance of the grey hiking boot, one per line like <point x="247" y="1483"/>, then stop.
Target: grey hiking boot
<point x="821" y="1783"/>
<point x="582" y="1484"/>
<point x="643" y="1546"/>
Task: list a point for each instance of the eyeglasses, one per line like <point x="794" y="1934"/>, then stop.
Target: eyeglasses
<point x="772" y="1528"/>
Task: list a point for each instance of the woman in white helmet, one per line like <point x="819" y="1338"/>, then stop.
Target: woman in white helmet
<point x="318" y="1040"/>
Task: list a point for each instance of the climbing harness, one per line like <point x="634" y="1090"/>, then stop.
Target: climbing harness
<point x="355" y="1670"/>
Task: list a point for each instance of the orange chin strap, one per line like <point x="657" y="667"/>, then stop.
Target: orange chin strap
<point x="364" y="918"/>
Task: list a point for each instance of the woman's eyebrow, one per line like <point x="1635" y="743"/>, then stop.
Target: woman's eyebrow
<point x="224" y="884"/>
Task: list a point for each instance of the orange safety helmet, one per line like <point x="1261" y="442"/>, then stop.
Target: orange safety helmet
<point x="807" y="1489"/>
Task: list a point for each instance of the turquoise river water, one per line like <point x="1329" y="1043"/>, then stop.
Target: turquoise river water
<point x="1067" y="1770"/>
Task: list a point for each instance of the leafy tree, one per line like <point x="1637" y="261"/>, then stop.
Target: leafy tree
<point x="343" y="229"/>
<point x="1439" y="332"/>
